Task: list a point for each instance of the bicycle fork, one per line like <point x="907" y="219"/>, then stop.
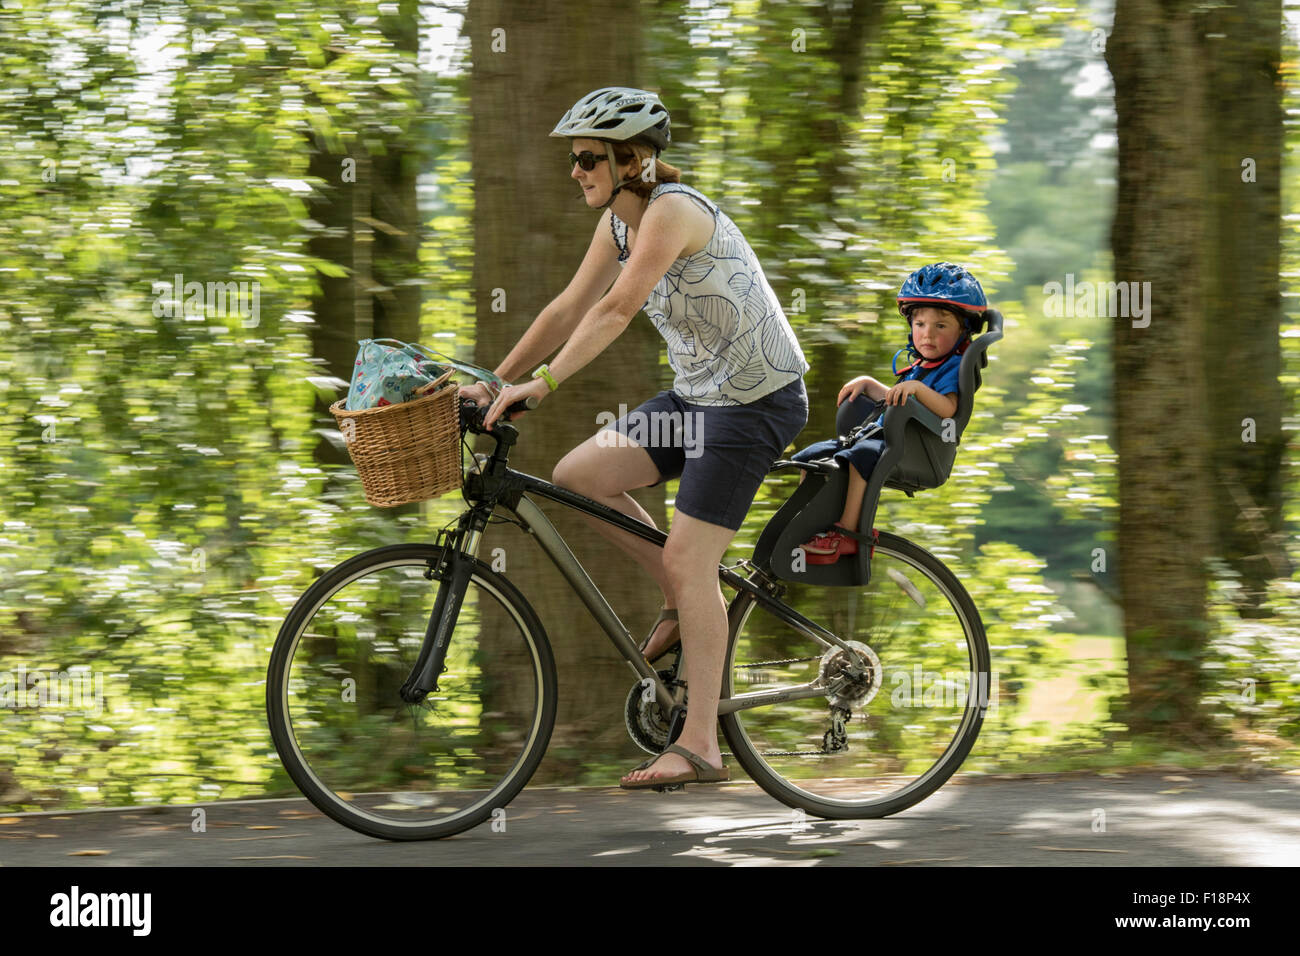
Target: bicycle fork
<point x="453" y="572"/>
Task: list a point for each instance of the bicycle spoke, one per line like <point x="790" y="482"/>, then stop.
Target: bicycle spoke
<point x="377" y="762"/>
<point x="909" y="734"/>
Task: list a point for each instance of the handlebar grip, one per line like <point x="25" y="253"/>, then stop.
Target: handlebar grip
<point x="478" y="412"/>
<point x="526" y="405"/>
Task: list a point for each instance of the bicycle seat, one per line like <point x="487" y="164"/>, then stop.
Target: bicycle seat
<point x="919" y="452"/>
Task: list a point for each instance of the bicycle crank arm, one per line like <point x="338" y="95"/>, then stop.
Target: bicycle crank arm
<point x="437" y="636"/>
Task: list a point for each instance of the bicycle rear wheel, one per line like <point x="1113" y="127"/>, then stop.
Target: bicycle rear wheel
<point x="376" y="763"/>
<point x="910" y="726"/>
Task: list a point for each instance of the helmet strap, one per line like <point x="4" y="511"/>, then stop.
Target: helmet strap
<point x="613" y="171"/>
<point x="962" y="345"/>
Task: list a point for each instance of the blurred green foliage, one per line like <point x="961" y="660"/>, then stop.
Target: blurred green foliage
<point x="163" y="508"/>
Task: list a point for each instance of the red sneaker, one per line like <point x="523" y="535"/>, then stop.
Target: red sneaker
<point x="829" y="547"/>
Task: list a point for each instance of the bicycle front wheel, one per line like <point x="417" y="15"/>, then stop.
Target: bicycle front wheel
<point x="376" y="763"/>
<point x="907" y="729"/>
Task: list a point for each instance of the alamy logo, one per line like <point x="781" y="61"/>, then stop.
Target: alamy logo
<point x="653" y="430"/>
<point x="1111" y="299"/>
<point x="71" y="690"/>
<point x="195" y="301"/>
<point x="922" y="688"/>
<point x="102" y="909"/>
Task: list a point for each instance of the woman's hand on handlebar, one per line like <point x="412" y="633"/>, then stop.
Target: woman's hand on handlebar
<point x="537" y="389"/>
<point x="478" y="393"/>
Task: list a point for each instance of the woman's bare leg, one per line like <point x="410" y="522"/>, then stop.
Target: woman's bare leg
<point x="691" y="558"/>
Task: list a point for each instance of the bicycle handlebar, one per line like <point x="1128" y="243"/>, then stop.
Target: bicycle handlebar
<point x="472" y="414"/>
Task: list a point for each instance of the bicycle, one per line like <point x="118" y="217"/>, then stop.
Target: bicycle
<point x="406" y="714"/>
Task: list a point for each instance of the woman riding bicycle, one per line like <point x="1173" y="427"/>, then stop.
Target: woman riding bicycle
<point x="738" y="381"/>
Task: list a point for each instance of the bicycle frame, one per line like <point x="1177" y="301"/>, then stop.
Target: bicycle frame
<point x="503" y="487"/>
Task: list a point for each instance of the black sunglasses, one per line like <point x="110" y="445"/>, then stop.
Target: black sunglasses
<point x="586" y="159"/>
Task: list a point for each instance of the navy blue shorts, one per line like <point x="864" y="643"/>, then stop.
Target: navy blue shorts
<point x="720" y="452"/>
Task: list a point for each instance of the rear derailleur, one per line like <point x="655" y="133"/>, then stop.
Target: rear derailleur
<point x="836" y="739"/>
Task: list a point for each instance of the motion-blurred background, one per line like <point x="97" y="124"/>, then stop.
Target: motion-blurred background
<point x="1122" y="510"/>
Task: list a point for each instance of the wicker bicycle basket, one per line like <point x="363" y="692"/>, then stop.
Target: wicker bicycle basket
<point x="405" y="452"/>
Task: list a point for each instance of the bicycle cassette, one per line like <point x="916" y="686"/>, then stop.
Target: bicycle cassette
<point x="847" y="691"/>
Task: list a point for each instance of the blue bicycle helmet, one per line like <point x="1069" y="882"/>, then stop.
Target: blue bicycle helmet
<point x="944" y="285"/>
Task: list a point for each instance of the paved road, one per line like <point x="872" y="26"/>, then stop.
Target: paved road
<point x="1146" y="819"/>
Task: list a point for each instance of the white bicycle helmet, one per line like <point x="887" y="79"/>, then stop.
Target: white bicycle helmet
<point x="620" y="114"/>
<point x="617" y="114"/>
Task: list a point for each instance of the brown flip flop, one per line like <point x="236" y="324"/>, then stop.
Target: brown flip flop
<point x="665" y="614"/>
<point x="702" y="772"/>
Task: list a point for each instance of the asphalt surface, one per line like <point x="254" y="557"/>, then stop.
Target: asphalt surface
<point x="1180" y="818"/>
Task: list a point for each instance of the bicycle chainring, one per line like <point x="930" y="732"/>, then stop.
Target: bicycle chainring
<point x="847" y="691"/>
<point x="646" y="724"/>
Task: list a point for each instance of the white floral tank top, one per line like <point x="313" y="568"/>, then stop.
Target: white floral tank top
<point x="729" y="342"/>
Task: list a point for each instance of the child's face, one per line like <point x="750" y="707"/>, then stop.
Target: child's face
<point x="934" y="331"/>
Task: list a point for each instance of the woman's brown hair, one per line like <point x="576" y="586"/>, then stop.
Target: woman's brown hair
<point x="645" y="181"/>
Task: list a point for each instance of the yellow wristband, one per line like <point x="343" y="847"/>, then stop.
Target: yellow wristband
<point x="543" y="372"/>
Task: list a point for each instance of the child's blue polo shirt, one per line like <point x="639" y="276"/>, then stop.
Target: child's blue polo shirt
<point x="942" y="379"/>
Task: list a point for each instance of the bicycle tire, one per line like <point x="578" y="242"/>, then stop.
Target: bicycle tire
<point x="748" y="734"/>
<point x="305" y="719"/>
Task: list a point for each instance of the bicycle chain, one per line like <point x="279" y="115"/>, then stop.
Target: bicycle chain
<point x="792" y="660"/>
<point x="837" y="731"/>
<point x="785" y="753"/>
<point x="789" y="753"/>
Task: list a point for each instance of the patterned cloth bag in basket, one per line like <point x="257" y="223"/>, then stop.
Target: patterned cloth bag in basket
<point x="384" y="375"/>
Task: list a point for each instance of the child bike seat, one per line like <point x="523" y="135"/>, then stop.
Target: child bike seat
<point x="919" y="452"/>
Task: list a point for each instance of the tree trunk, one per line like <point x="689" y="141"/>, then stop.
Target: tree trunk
<point x="342" y="311"/>
<point x="1240" y="47"/>
<point x="372" y="228"/>
<point x="1158" y="236"/>
<point x="394" y="217"/>
<point x="369" y="209"/>
<point x="531" y="231"/>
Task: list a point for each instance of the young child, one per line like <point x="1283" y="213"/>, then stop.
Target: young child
<point x="943" y="305"/>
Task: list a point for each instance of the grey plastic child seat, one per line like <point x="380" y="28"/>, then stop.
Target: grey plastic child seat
<point x="919" y="452"/>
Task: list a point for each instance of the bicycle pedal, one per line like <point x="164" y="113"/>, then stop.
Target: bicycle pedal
<point x="670" y="787"/>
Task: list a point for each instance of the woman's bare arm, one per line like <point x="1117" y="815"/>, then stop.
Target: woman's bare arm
<point x="555" y="324"/>
<point x="665" y="232"/>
